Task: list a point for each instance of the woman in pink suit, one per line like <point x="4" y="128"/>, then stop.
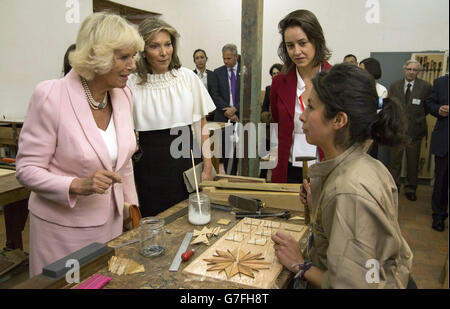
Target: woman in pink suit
<point x="76" y="144"/>
<point x="304" y="53"/>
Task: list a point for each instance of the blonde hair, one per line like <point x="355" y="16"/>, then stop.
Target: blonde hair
<point x="148" y="29"/>
<point x="99" y="36"/>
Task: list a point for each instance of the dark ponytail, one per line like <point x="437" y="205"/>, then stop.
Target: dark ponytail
<point x="349" y="89"/>
<point x="390" y="127"/>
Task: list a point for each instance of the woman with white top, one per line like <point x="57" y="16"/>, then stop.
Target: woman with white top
<point x="373" y="67"/>
<point x="170" y="105"/>
<point x="304" y="54"/>
<point x="76" y="144"/>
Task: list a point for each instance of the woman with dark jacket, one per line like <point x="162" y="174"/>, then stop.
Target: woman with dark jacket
<point x="304" y="53"/>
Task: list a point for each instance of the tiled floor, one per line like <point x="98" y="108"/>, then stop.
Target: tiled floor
<point x="429" y="246"/>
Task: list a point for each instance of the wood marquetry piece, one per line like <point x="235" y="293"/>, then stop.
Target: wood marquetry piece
<point x="260" y="241"/>
<point x="272" y="224"/>
<point x="203" y="235"/>
<point x="235" y="237"/>
<point x="123" y="266"/>
<point x="226" y="260"/>
<point x="252" y="221"/>
<point x="236" y="262"/>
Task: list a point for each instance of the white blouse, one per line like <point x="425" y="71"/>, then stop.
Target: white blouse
<point x="175" y="98"/>
<point x="110" y="138"/>
<point x="300" y="147"/>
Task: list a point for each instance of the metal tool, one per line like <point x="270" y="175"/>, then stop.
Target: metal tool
<point x="183" y="247"/>
<point x="286" y="214"/>
<point x="187" y="255"/>
<point x="247" y="203"/>
<point x="305" y="176"/>
<point x="176" y="215"/>
<point x="221" y="207"/>
<point x="125" y="244"/>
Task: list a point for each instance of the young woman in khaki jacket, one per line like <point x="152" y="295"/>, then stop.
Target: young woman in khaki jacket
<point x="356" y="240"/>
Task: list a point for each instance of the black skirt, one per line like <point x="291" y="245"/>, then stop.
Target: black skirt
<point x="159" y="176"/>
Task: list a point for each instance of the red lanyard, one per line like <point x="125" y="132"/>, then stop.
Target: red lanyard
<point x="301" y="103"/>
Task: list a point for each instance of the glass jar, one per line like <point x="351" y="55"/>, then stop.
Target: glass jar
<point x="199" y="211"/>
<point x="152" y="240"/>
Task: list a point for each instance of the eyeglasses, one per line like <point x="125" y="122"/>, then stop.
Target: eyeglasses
<point x="412" y="70"/>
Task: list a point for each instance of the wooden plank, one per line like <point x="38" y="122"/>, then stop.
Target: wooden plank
<point x="232" y="178"/>
<point x="279" y="200"/>
<point x="5" y="172"/>
<point x="276" y="187"/>
<point x="263" y="278"/>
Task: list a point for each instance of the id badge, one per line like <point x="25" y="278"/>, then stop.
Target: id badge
<point x="416" y="101"/>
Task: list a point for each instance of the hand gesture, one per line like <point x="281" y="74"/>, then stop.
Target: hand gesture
<point x="99" y="183"/>
<point x="229" y="111"/>
<point x="287" y="250"/>
<point x="443" y="110"/>
<point x="206" y="173"/>
<point x="305" y="193"/>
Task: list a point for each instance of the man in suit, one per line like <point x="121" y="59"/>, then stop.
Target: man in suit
<point x="413" y="93"/>
<point x="208" y="77"/>
<point x="228" y="86"/>
<point x="225" y="94"/>
<point x="437" y="105"/>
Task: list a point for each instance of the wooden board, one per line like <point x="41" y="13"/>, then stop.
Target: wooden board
<point x="280" y="200"/>
<point x="275" y="187"/>
<point x="264" y="278"/>
<point x="11" y="190"/>
<point x="232" y="178"/>
<point x="4" y="172"/>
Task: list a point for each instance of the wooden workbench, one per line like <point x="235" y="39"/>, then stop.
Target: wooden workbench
<point x="157" y="275"/>
<point x="14" y="200"/>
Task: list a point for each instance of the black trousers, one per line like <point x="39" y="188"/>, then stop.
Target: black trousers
<point x="228" y="151"/>
<point x="439" y="200"/>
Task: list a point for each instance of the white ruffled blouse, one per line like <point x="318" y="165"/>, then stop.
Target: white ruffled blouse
<point x="175" y="98"/>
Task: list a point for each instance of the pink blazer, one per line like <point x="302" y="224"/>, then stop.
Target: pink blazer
<point x="60" y="141"/>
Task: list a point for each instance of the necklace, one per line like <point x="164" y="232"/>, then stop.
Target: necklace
<point x="95" y="105"/>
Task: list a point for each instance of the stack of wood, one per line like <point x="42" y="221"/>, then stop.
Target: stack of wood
<point x="274" y="195"/>
<point x="123" y="266"/>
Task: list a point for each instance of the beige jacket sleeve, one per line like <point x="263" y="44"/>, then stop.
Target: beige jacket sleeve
<point x="362" y="235"/>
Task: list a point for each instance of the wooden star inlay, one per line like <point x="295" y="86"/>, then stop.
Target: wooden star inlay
<point x="237" y="262"/>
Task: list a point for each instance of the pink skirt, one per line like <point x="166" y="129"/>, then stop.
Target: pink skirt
<point x="50" y="242"/>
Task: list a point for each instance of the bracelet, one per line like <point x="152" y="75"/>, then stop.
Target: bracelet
<point x="304" y="267"/>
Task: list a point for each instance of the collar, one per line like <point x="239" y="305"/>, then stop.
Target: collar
<point x="300" y="83"/>
<point x="324" y="168"/>
<point x="198" y="72"/>
<point x="234" y="68"/>
<point x="411" y="82"/>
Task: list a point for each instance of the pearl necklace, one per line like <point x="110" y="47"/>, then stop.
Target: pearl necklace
<point x="95" y="105"/>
